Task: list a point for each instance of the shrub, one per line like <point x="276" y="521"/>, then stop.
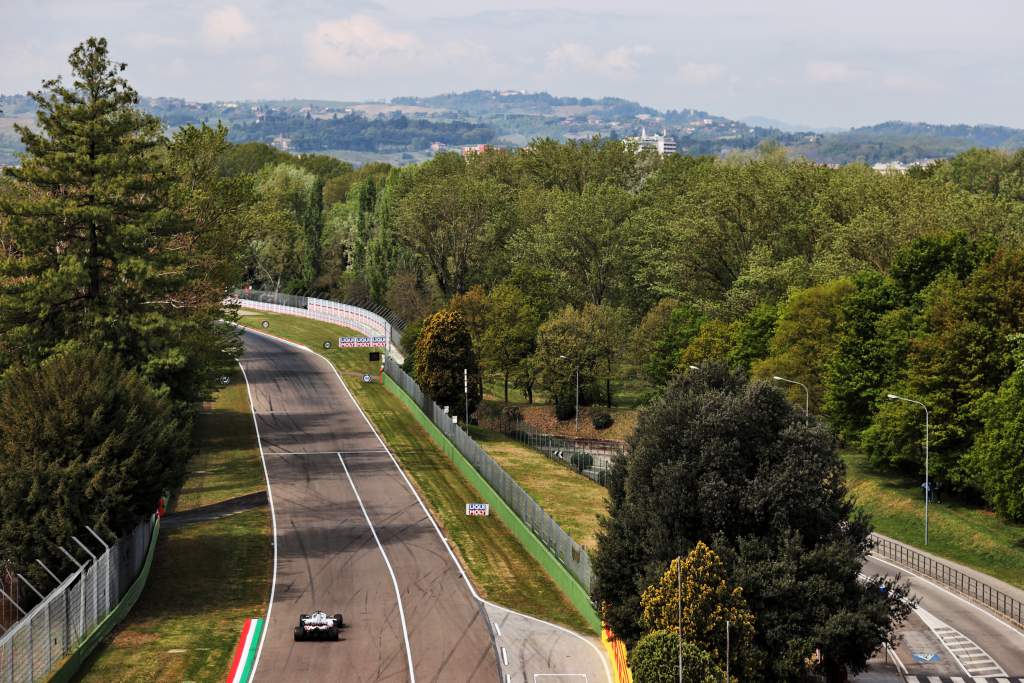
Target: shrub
<point x="565" y="409"/>
<point x="602" y="420"/>
<point x="655" y="659"/>
<point x="511" y="414"/>
<point x="581" y="460"/>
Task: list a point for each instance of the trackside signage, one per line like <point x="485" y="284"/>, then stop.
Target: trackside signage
<point x="478" y="509"/>
<point x="361" y="342"/>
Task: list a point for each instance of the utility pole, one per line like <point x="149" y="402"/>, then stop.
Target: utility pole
<point x="465" y="388"/>
<point x="807" y="395"/>
<point x="679" y="614"/>
<point x="727" y="651"/>
<point x="927" y="483"/>
<point x="577" y="400"/>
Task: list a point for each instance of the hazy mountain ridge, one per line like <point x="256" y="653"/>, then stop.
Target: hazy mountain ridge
<point x="412" y="127"/>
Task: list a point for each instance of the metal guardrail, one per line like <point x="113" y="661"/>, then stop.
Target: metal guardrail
<point x="561" y="544"/>
<point x="63" y="619"/>
<point x="996" y="600"/>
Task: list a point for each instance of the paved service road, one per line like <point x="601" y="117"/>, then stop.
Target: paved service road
<point x="534" y="651"/>
<point x="349" y="529"/>
<point x="971" y="642"/>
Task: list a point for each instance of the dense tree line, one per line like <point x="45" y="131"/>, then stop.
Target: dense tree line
<point x="359" y="132"/>
<point x="633" y="267"/>
<point x="117" y="246"/>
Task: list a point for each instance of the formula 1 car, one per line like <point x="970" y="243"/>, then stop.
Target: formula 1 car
<point x="318" y="625"/>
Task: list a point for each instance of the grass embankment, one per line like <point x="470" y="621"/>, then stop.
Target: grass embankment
<point x="573" y="500"/>
<point x="541" y="418"/>
<point x="499" y="566"/>
<point x="208" y="577"/>
<point x="962" y="533"/>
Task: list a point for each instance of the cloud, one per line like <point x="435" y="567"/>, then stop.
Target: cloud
<point x="910" y="84"/>
<point x="834" y="72"/>
<point x="697" y="73"/>
<point x="359" y="44"/>
<point x="225" y="27"/>
<point x="144" y="39"/>
<point x="619" y="62"/>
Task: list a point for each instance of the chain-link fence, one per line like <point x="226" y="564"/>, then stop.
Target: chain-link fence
<point x="371" y="323"/>
<point x="590" y="457"/>
<point x="52" y="629"/>
<point x="375" y="321"/>
<point x="569" y="553"/>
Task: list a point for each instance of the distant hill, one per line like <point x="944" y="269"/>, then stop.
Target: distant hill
<point x="787" y="127"/>
<point x="407" y="128"/>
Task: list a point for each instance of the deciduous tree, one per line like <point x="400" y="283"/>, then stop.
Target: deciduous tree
<point x="443" y="351"/>
<point x="709" y="600"/>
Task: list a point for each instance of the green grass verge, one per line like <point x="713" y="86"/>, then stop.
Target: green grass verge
<point x="573" y="500"/>
<point x="227" y="465"/>
<point x="962" y="533"/>
<point x="502" y="570"/>
<point x="207" y="578"/>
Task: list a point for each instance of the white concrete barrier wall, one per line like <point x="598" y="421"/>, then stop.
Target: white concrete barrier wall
<point x="361" y="320"/>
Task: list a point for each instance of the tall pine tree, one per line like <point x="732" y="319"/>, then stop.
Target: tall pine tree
<point x="100" y="253"/>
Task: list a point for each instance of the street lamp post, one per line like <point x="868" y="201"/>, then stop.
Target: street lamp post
<point x="927" y="483"/>
<point x="577" y="393"/>
<point x="679" y="613"/>
<point x="807" y="395"/>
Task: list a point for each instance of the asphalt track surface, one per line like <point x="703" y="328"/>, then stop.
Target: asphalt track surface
<point x="952" y="622"/>
<point x="349" y="531"/>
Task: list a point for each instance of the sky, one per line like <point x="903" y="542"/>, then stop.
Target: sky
<point x="821" y="63"/>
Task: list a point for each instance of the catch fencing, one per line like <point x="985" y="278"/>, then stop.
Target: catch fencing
<point x="590" y="457"/>
<point x="55" y="627"/>
<point x="569" y="553"/>
<point x="375" y="321"/>
<point x="560" y="543"/>
<point x="997" y="601"/>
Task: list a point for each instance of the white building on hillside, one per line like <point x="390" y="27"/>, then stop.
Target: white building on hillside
<point x="663" y="144"/>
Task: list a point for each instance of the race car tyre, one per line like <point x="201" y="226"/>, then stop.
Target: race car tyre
<point x="299" y="634"/>
<point x="338" y="621"/>
<point x="332" y="633"/>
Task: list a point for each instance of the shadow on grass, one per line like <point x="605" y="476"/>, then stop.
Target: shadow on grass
<point x="205" y="579"/>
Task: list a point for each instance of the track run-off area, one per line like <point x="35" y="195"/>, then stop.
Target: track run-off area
<point x="353" y="536"/>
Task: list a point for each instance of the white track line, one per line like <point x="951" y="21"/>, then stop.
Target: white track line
<point x="601" y="655"/>
<point x="945" y="633"/>
<point x="384" y="554"/>
<point x="984" y="611"/>
<point x="273" y="520"/>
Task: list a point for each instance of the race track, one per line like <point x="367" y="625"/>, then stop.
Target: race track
<point x="349" y="531"/>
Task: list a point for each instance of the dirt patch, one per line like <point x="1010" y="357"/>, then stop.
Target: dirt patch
<point x="542" y="419"/>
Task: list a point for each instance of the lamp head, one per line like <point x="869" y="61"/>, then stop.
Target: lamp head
<point x="777" y="377"/>
<point x="694" y="367"/>
<point x="893" y="397"/>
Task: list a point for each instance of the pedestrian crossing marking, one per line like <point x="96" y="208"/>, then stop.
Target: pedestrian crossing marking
<point x="978" y="664"/>
<point x="910" y="678"/>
